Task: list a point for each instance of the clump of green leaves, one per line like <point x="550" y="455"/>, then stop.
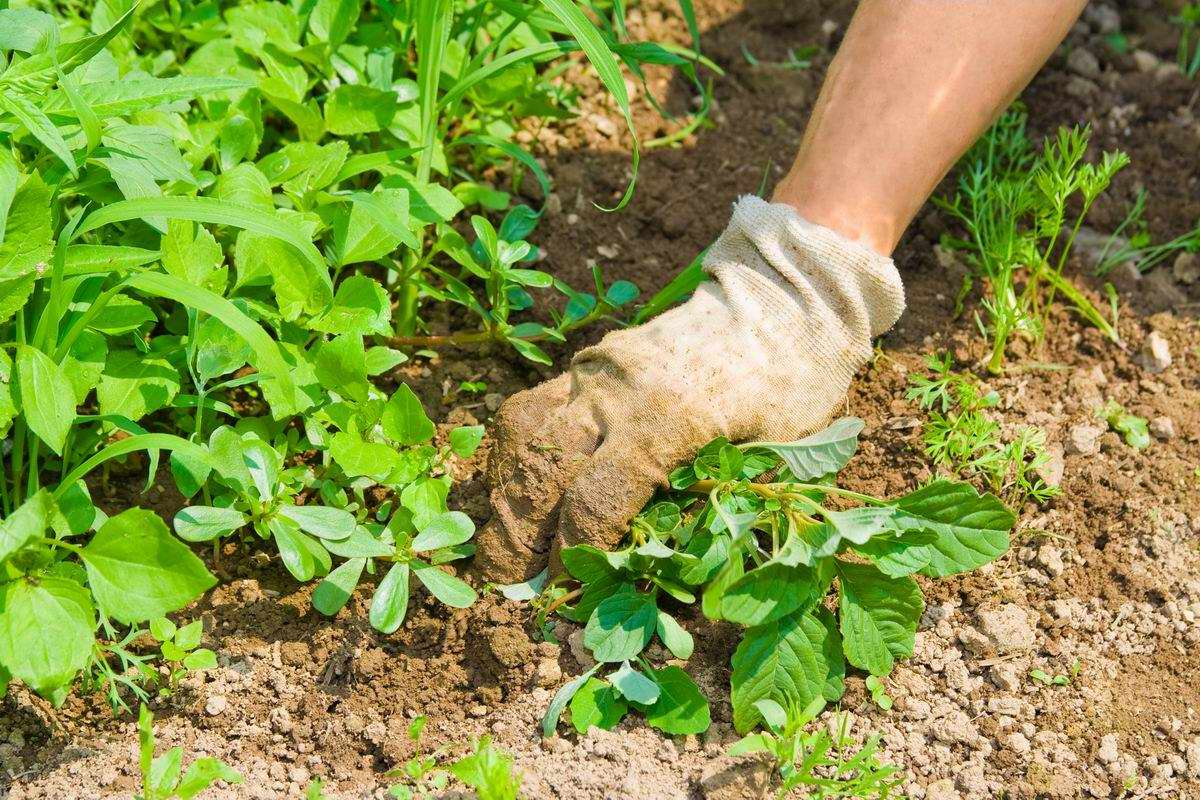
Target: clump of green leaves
<point x="487" y="770"/>
<point x="1187" y="54"/>
<point x="218" y="225"/>
<point x="961" y="437"/>
<point x="1134" y="430"/>
<point x="774" y="558"/>
<point x="163" y="777"/>
<point x="1013" y="203"/>
<point x="823" y="762"/>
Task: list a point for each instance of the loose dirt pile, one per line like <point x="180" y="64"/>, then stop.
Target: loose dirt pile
<point x="1107" y="577"/>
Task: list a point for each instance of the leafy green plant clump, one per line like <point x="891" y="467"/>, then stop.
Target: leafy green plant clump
<point x="818" y="577"/>
<point x="219" y="225"/>
<point x="1014" y="205"/>
<point x="163" y="777"/>
<point x="961" y="437"/>
<point x="487" y="770"/>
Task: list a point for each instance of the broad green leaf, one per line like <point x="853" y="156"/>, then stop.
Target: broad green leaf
<point x="634" y="686"/>
<point x="425" y="498"/>
<point x="294" y="551"/>
<point x="390" y="603"/>
<point x="360" y="306"/>
<point x="352" y="109"/>
<point x="205" y="523"/>
<point x="332" y="20"/>
<point x="714" y="593"/>
<point x="795" y="658"/>
<point x="821" y="453"/>
<point x="444" y="530"/>
<point x="621" y="627"/>
<point x="445" y="587"/>
<point x="560" y="700"/>
<point x="597" y="704"/>
<point x="971" y="529"/>
<point x="404" y="420"/>
<point x="878" y="616"/>
<point x="324" y="522"/>
<point x="769" y="592"/>
<point x="138" y="571"/>
<point x="202" y="773"/>
<point x="28" y="230"/>
<point x="45" y="396"/>
<point x="371" y="226"/>
<point x="680" y="709"/>
<point x="673" y="635"/>
<point x="85" y="363"/>
<point x="46" y="631"/>
<point x="358" y="458"/>
<point x="27" y="523"/>
<point x="135" y="384"/>
<point x="464" y="441"/>
<point x="360" y="544"/>
<point x="341" y="365"/>
<point x="332" y="593"/>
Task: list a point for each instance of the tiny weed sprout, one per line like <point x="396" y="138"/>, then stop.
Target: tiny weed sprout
<point x="1131" y="242"/>
<point x="1134" y="430"/>
<point x="1187" y="55"/>
<point x="1013" y="203"/>
<point x="163" y="777"/>
<point x="823" y="762"/>
<point x="962" y="438"/>
<point x="221" y="232"/>
<point x="487" y="770"/>
<point x="816" y="575"/>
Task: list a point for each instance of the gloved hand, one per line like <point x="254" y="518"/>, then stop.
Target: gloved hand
<point x="765" y="351"/>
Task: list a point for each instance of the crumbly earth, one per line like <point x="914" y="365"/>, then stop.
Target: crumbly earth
<point x="1106" y="577"/>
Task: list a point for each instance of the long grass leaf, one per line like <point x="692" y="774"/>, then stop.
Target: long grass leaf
<point x="433" y="33"/>
<point x="147" y="441"/>
<point x="38" y="125"/>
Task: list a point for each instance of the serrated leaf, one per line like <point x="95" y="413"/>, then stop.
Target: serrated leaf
<point x="45" y="396"/>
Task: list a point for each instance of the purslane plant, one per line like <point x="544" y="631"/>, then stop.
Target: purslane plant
<point x="815" y="582"/>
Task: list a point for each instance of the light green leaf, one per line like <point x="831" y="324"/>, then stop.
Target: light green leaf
<point x="821" y="453"/>
<point x="681" y="709"/>
<point x="138" y="571"/>
<point x="444" y="530"/>
<point x="341" y="365"/>
<point x="358" y="458"/>
<point x="404" y="420"/>
<point x="360" y="306"/>
<point x="39" y="125"/>
<point x="352" y="109"/>
<point x="621" y="627"/>
<point x="390" y="603"/>
<point x="324" y="522"/>
<point x="878" y="615"/>
<point x="445" y="587"/>
<point x="673" y="635"/>
<point x="971" y="529"/>
<point x="135" y="384"/>
<point x="560" y="700"/>
<point x="205" y="523"/>
<point x="769" y="592"/>
<point x="46" y="631"/>
<point x="26" y="524"/>
<point x="597" y="704"/>
<point x="332" y="593"/>
<point x="635" y="686"/>
<point x="465" y="441"/>
<point x="45" y="395"/>
<point x="294" y="551"/>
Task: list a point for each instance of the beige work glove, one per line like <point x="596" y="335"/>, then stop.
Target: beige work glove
<point x="765" y="351"/>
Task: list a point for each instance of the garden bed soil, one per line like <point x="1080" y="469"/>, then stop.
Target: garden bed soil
<point x="1106" y="577"/>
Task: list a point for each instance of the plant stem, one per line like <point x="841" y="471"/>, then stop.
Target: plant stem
<point x="784" y="491"/>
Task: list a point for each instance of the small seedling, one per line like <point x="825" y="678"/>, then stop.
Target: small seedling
<point x="764" y="556"/>
<point x="1013" y="204"/>
<point x="487" y="770"/>
<point x="1187" y="55"/>
<point x="163" y="777"/>
<point x="878" y="690"/>
<point x="1134" y="430"/>
<point x="961" y="437"/>
<point x="824" y="762"/>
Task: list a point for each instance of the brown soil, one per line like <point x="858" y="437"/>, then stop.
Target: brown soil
<point x="1107" y="576"/>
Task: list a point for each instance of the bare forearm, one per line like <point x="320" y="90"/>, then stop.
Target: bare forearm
<point x="913" y="84"/>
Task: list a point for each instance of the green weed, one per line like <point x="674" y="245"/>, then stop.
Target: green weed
<point x="821" y="762"/>
<point x="221" y="228"/>
<point x="487" y="770"/>
<point x="1134" y="430"/>
<point x="1013" y="203"/>
<point x="163" y="777"/>
<point x="1131" y="241"/>
<point x="1187" y="54"/>
<point x="764" y="556"/>
<point x="962" y="438"/>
